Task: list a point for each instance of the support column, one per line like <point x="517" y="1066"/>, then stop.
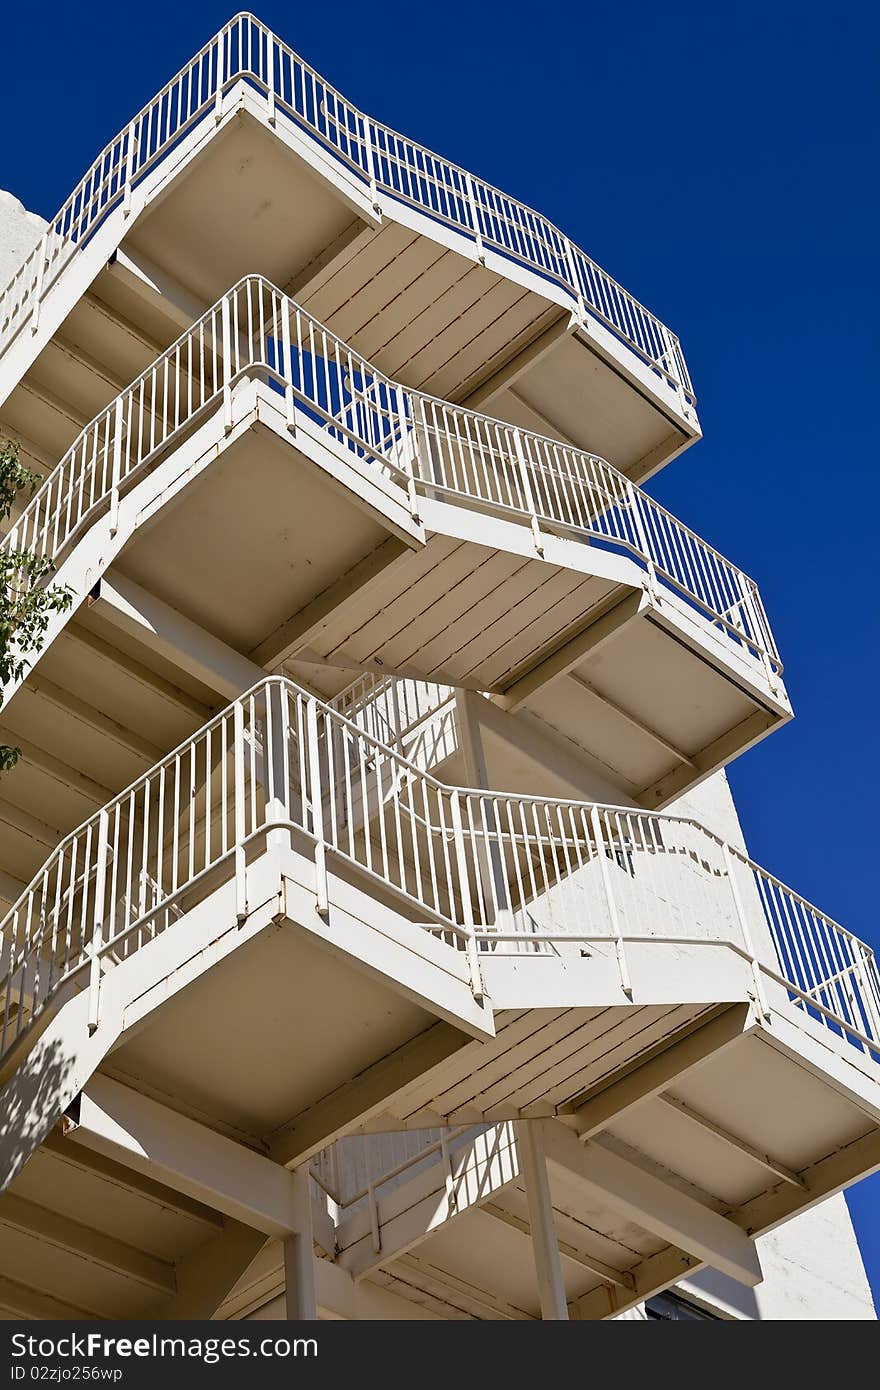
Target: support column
<point x="491" y="864"/>
<point x="545" y="1247"/>
<point x="299" y="1255"/>
<point x="276" y="763"/>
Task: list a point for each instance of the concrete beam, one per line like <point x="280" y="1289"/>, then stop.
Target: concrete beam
<point x="153" y="284"/>
<point x="63" y="701"/>
<point x="572" y="652"/>
<point x="171" y="635"/>
<point x="367" y="1095"/>
<point x="24" y="1302"/>
<point x="715" y="755"/>
<point x="142" y="1134"/>
<point x="63" y="1233"/>
<point x="613" y="1278"/>
<point x="155" y="685"/>
<point x="594" y="1113"/>
<point x="16" y="819"/>
<point x="209" y="1274"/>
<point x="69" y="777"/>
<point x="733" y="1141"/>
<point x="302" y="627"/>
<point x="198" y="1216"/>
<point x="314" y="276"/>
<point x="654" y="1205"/>
<point x="503" y="377"/>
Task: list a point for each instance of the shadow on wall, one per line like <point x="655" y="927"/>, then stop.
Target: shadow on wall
<point x="32" y="1103"/>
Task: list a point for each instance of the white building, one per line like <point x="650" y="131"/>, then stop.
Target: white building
<point x="342" y="453"/>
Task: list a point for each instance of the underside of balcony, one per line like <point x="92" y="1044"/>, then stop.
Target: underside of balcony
<point x="275" y="540"/>
<point x="671" y="1132"/>
<point x="404" y="288"/>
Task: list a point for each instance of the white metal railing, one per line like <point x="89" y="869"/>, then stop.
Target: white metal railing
<point x="483" y="871"/>
<point x="421" y="444"/>
<point x="382" y="160"/>
<point x="394" y="711"/>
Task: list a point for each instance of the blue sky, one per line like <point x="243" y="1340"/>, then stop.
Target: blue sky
<point x="721" y="162"/>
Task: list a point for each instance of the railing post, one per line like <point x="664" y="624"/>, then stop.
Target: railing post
<point x="370" y="152"/>
<point x="227" y="363"/>
<point x="749" y="612"/>
<point x="129" y="166"/>
<point x="98" y="921"/>
<point x="869" y="1000"/>
<point x="467" y="909"/>
<point x="42" y="257"/>
<point x="581" y="313"/>
<point x="322" y="900"/>
<point x="760" y="996"/>
<point x="239" y="811"/>
<point x="407" y="465"/>
<point x="527" y="490"/>
<point x="635" y="506"/>
<point x="622" y="966"/>
<point x="476" y="220"/>
<point x="672" y="368"/>
<point x="422" y="437"/>
<point x="221" y="69"/>
<point x="289" y="407"/>
<point x="270" y="77"/>
<point x="276" y="762"/>
<point x="116" y="467"/>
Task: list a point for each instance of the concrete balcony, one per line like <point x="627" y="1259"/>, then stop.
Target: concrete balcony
<point x="690" y="1045"/>
<point x="296" y="507"/>
<point x="443" y="281"/>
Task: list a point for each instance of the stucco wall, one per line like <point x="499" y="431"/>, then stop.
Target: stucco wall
<point x="20" y="231"/>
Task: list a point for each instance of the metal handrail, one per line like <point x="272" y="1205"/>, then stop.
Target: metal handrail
<point x="480" y="870"/>
<point x="425" y="446"/>
<point x="385" y="163"/>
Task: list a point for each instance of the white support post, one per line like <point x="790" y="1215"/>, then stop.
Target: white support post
<point x="370" y="152"/>
<point x="408" y="466"/>
<point x="322" y="900"/>
<point x="129" y="169"/>
<point x="42" y="257"/>
<point x="98" y="922"/>
<point x="528" y="495"/>
<point x="739" y="909"/>
<point x="476" y="220"/>
<point x="116" y="467"/>
<point x="451" y="1197"/>
<point x="674" y="373"/>
<point x="635" y="506"/>
<point x="581" y="312"/>
<point x="221" y="70"/>
<point x="270" y="78"/>
<point x="467" y="911"/>
<point x="545" y="1246"/>
<point x="239" y="793"/>
<point x="226" y="328"/>
<point x="277" y="764"/>
<point x="289" y="407"/>
<point x="865" y="972"/>
<point x="622" y="966"/>
<point x="299" y="1254"/>
<point x="489" y="857"/>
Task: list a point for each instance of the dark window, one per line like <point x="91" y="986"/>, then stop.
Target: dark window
<point x="671" y="1307"/>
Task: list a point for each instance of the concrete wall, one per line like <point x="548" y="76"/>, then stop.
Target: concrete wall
<point x="20" y="231"/>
